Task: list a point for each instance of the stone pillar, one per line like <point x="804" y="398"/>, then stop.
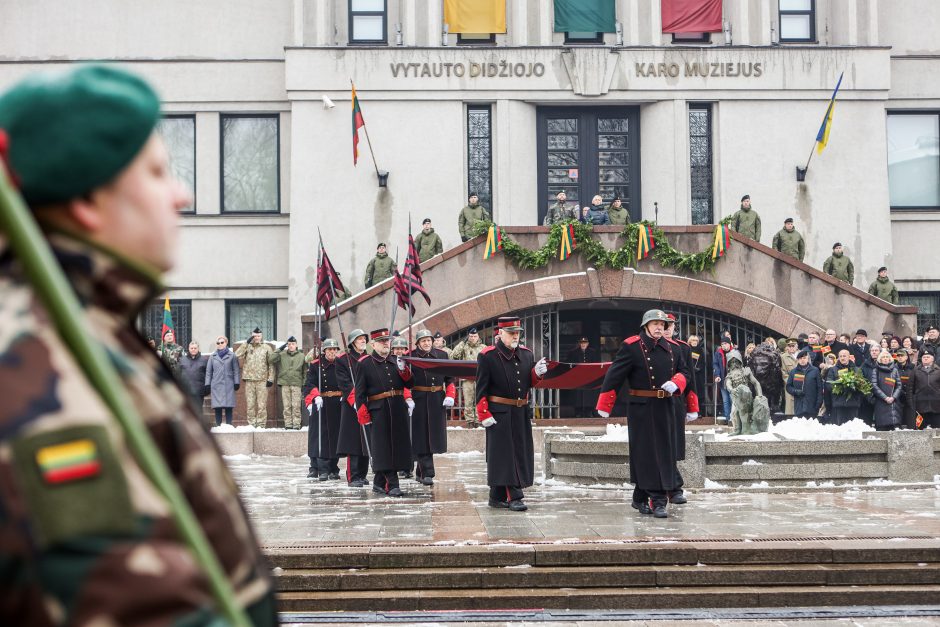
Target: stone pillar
<point x="910" y="455"/>
<point x="547" y="438"/>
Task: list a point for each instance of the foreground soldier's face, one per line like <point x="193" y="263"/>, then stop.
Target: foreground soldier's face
<point x="655" y="328"/>
<point x="509" y="338"/>
<point x="474" y="338"/>
<point x="331" y="353"/>
<point x="668" y="331"/>
<point x="137" y="213"/>
<point x="360" y="343"/>
<point x="425" y="343"/>
<point x="398" y="352"/>
<point x="381" y="347"/>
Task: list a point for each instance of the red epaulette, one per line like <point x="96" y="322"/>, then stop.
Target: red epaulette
<point x="633" y="339"/>
<point x="487" y="349"/>
<point x="364" y="357"/>
<point x="523" y="348"/>
<point x="315" y="361"/>
<point x="676" y="342"/>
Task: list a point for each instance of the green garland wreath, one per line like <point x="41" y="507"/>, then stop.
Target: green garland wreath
<point x="595" y="253"/>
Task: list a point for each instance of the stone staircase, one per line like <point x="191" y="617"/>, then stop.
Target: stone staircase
<point x="631" y="575"/>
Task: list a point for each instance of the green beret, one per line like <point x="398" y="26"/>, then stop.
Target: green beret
<point x="74" y="130"/>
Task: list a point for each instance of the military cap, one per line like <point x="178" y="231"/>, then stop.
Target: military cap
<point x="805" y="352"/>
<point x="792" y="340"/>
<point x="292" y="339"/>
<point x="379" y="245"/>
<point x="72" y="131"/>
<point x="930" y="350"/>
<point x="356" y="333"/>
<point x="257" y="330"/>
<point x="399" y="342"/>
<point x="426" y="221"/>
<point x="329" y="343"/>
<point x="653" y="315"/>
<point x="472" y="194"/>
<point x="862" y="332"/>
<point x="836" y="245"/>
<point x="788" y="221"/>
<point x="745" y="197"/>
<point x="423" y="333"/>
<point x="584" y="339"/>
<point x="930" y="327"/>
<point x="509" y="323"/>
<point x="883" y="269"/>
<point x="437" y="334"/>
<point x="379" y="334"/>
<point x="472" y="331"/>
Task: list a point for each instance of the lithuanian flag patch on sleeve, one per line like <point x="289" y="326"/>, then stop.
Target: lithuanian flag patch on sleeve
<point x="69" y="461"/>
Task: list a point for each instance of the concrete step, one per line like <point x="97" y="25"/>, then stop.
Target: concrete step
<point x="672" y="597"/>
<point x="317" y="580"/>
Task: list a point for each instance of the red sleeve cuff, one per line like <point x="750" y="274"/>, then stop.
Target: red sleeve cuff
<point x="451" y="391"/>
<point x="311" y="396"/>
<point x="606" y="400"/>
<point x="407" y="393"/>
<point x="351" y="399"/>
<point x="363" y="415"/>
<point x="483" y="409"/>
<point x="691" y="403"/>
<point x="679" y="379"/>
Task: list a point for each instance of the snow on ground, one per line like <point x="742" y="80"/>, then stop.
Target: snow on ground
<point x="713" y="484"/>
<point x="615" y="433"/>
<point x="226" y="428"/>
<point x="752" y="462"/>
<point x="802" y="429"/>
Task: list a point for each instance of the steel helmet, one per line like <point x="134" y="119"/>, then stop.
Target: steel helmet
<point x="655" y="314"/>
<point x="356" y="333"/>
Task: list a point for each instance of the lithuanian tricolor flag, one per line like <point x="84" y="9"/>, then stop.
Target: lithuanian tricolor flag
<point x="167" y="320"/>
<point x="645" y="242"/>
<point x="568" y="243"/>
<point x="357" y="123"/>
<point x="494" y="242"/>
<point x="722" y="240"/>
<point x="70" y="461"/>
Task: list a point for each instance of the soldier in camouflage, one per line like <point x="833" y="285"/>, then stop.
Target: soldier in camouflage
<point x="746" y="221"/>
<point x="560" y="211"/>
<point x="884" y="288"/>
<point x="469" y="350"/>
<point x="257" y="374"/>
<point x="838" y="266"/>
<point x="86" y="537"/>
<point x="379" y="268"/>
<point x="789" y="241"/>
<point x="171" y="353"/>
<point x="470" y="215"/>
<point x="291" y="372"/>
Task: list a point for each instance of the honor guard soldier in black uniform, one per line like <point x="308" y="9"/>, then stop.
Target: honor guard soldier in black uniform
<point x="380" y="389"/>
<point x="432" y="394"/>
<point x="351" y="441"/>
<point x="324" y="401"/>
<point x="505" y="373"/>
<point x="654" y="369"/>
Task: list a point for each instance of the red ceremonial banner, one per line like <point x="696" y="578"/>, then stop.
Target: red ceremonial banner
<point x="691" y="16"/>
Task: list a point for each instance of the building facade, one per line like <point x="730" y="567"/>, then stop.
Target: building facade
<point x="257" y="97"/>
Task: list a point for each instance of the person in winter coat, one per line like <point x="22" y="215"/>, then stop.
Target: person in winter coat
<point x="379" y="268"/>
<point x="595" y="214"/>
<point x="866" y="410"/>
<point x="804" y="384"/>
<point x="291" y="372"/>
<point x="788" y="359"/>
<point x="746" y="221"/>
<point x="884" y="288"/>
<point x="905" y="370"/>
<point x="924" y="395"/>
<point x="789" y="241"/>
<point x="886" y="390"/>
<point x="841" y="408"/>
<point x="193" y="373"/>
<point x="559" y="211"/>
<point x="618" y="213"/>
<point x="698" y="365"/>
<point x="720" y="368"/>
<point x="223" y="378"/>
<point x="428" y="242"/>
<point x="470" y="215"/>
<point x="171" y="353"/>
<point x="839" y="266"/>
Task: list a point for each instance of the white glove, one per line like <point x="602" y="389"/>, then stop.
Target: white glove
<point x="310" y="409"/>
<point x="489" y="422"/>
<point x="448" y="401"/>
<point x="670" y="387"/>
<point x="318" y="401"/>
<point x="400" y="363"/>
<point x="691" y="416"/>
<point x="602" y="413"/>
<point x="541" y="367"/>
<point x="411" y="405"/>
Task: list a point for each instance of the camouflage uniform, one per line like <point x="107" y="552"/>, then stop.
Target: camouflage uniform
<point x="85" y="537"/>
<point x="747" y="223"/>
<point x="291" y="371"/>
<point x="884" y="288"/>
<point x="618" y="215"/>
<point x="172" y="354"/>
<point x="380" y="267"/>
<point x="465" y="351"/>
<point x="840" y="267"/>
<point x="256" y="374"/>
<point x="428" y="244"/>
<point x="468" y="218"/>
<point x="560" y="212"/>
<point x="790" y="243"/>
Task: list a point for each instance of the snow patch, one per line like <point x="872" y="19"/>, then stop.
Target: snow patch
<point x="802" y="429"/>
<point x="821" y="484"/>
<point x="227" y="428"/>
<point x="760" y="484"/>
<point x="880" y="481"/>
<point x="752" y="462"/>
<point x="241" y="457"/>
<point x="615" y="433"/>
<point x="520" y="566"/>
<point x="713" y="484"/>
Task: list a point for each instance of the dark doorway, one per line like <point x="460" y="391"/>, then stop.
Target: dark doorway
<point x="586" y="151"/>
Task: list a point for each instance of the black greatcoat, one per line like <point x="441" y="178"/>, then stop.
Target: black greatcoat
<point x="350" y="440"/>
<point x="325" y="427"/>
<point x="644" y="363"/>
<point x="680" y="400"/>
<point x="429" y="420"/>
<point x="388" y="433"/>
<point x="510" y="455"/>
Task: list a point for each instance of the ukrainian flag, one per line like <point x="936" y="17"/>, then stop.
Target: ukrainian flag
<point x="822" y="137"/>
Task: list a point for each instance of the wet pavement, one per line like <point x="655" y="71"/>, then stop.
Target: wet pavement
<point x="289" y="510"/>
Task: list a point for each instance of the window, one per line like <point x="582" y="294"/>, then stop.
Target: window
<point x="480" y="154"/>
<point x="368" y="22"/>
<point x="691" y="38"/>
<point x="584" y="38"/>
<point x="250" y="164"/>
<point x="242" y="316"/>
<point x="928" y="307"/>
<point x="179" y="135"/>
<point x="914" y="160"/>
<point x="700" y="163"/>
<point x="150" y="320"/>
<point x="798" y="20"/>
<point x="471" y="39"/>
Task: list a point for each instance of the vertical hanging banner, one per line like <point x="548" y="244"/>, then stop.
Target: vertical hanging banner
<point x="691" y="16"/>
<point x="494" y="242"/>
<point x="568" y="243"/>
<point x="645" y="242"/>
<point x="475" y="16"/>
<point x="722" y="240"/>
